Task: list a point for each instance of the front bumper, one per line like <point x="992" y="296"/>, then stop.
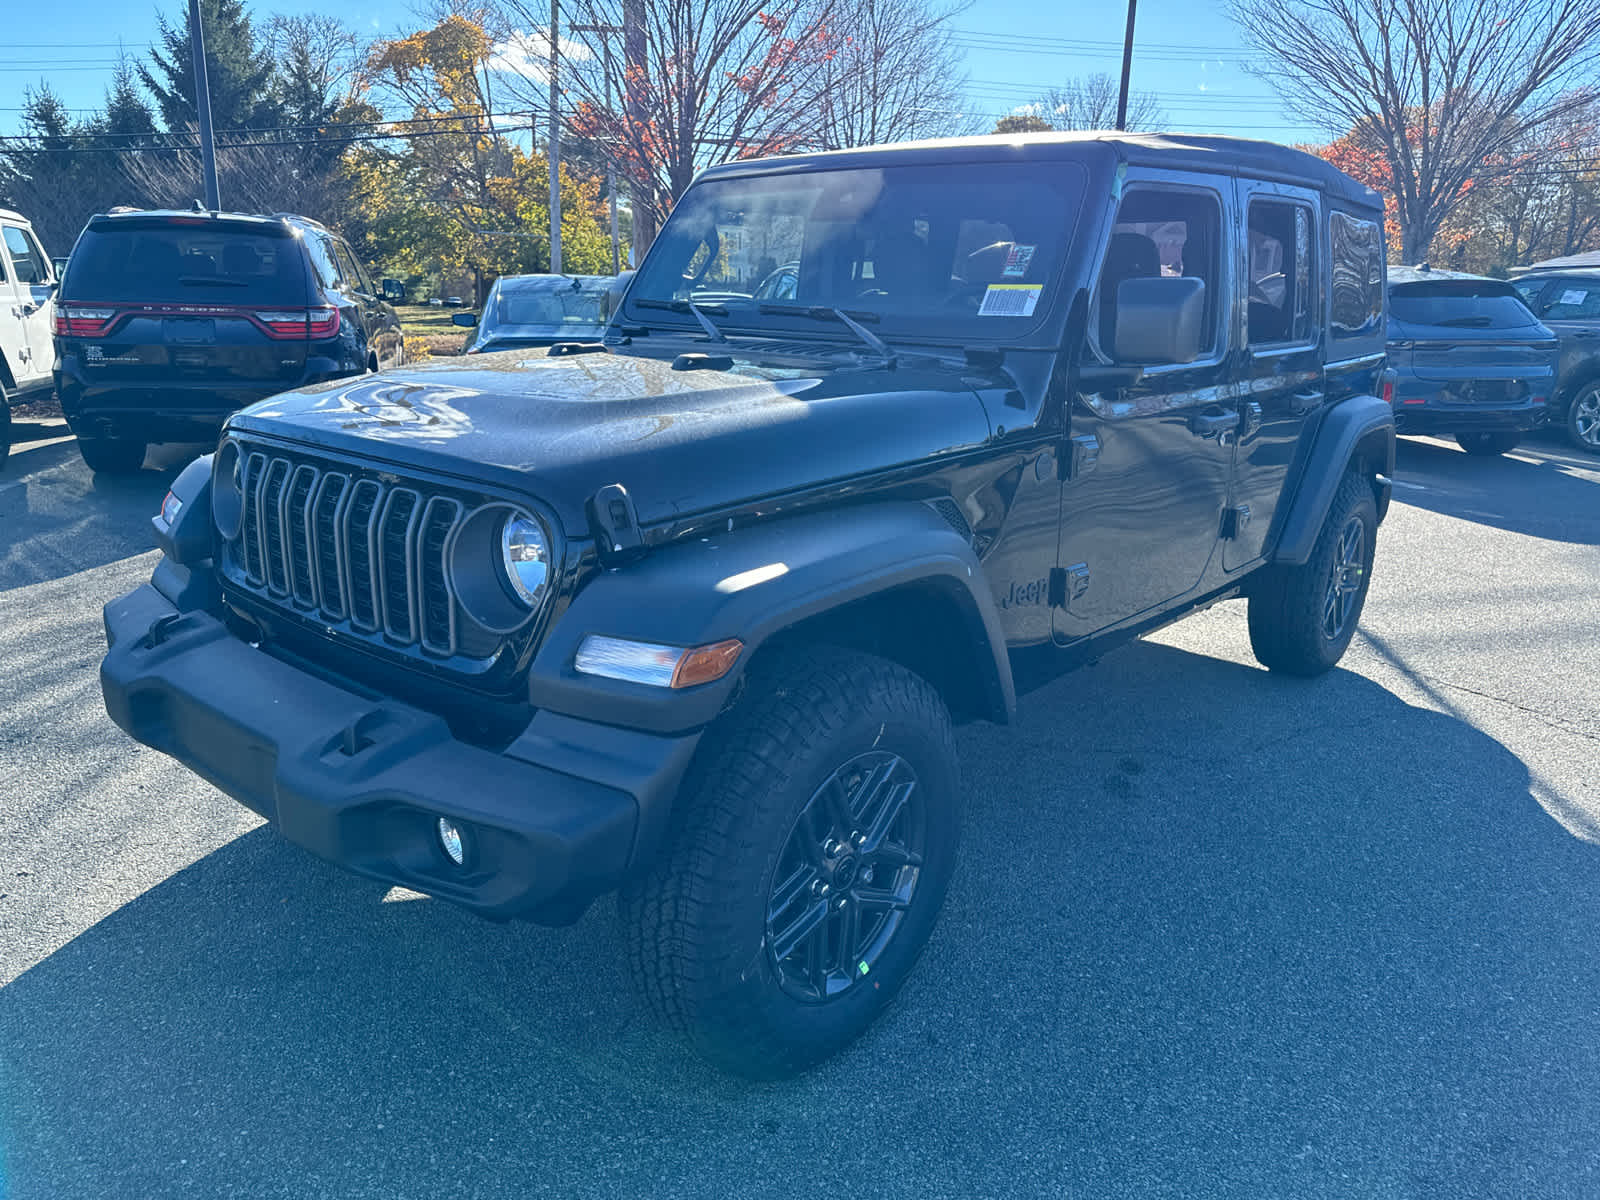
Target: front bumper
<point x="362" y="782"/>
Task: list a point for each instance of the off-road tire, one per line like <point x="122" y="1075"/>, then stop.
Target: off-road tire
<point x="1486" y="445"/>
<point x="1288" y="604"/>
<point x="1583" y="418"/>
<point x="112" y="456"/>
<point x="696" y="925"/>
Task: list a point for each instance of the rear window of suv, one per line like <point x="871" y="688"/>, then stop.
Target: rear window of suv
<point x="1459" y="303"/>
<point x="207" y="262"/>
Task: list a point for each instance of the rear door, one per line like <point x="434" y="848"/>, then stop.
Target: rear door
<point x="30" y="351"/>
<point x="375" y="318"/>
<point x="1282" y="383"/>
<point x="198" y="302"/>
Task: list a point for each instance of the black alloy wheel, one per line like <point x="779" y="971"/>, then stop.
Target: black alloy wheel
<point x="1583" y="419"/>
<point x="1347" y="580"/>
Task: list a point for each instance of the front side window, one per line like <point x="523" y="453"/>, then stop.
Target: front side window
<point x="1280" y="275"/>
<point x="954" y="250"/>
<point x="1529" y="290"/>
<point x="27" y="261"/>
<point x="1162" y="233"/>
<point x="1356" y="248"/>
<point x="1573" y="300"/>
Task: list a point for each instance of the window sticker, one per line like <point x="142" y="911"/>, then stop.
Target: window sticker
<point x="1010" y="299"/>
<point x="1018" y="259"/>
<point x="1573" y="296"/>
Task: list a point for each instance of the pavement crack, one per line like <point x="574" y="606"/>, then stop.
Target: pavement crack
<point x="1544" y="718"/>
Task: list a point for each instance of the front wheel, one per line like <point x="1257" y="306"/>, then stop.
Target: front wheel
<point x="808" y="859"/>
<point x="1303" y="617"/>
<point x="1484" y="445"/>
<point x="1583" y="419"/>
<point x="112" y="456"/>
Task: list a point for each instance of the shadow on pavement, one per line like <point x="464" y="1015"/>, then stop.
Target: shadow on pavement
<point x="1551" y="498"/>
<point x="1213" y="933"/>
<point x="58" y="518"/>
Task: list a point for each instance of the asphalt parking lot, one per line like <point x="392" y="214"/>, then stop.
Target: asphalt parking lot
<point x="1214" y="933"/>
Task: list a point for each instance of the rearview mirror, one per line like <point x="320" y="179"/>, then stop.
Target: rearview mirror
<point x="394" y="291"/>
<point x="1160" y="320"/>
<point x="465" y="320"/>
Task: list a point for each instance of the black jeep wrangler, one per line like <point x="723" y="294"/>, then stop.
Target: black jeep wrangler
<point x="688" y="614"/>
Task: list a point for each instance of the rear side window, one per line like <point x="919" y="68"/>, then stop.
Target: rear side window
<point x="1575" y="300"/>
<point x="1459" y="304"/>
<point x="26" y="259"/>
<point x="1356" y="250"/>
<point x="184" y="264"/>
<point x="323" y="261"/>
<point x="1280" y="298"/>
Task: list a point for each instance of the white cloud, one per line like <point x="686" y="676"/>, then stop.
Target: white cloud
<point x="528" y="54"/>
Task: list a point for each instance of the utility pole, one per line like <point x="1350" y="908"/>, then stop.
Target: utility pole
<point x="616" y="242"/>
<point x="634" y="68"/>
<point x="202" y="103"/>
<point x="555" y="140"/>
<point x="1127" y="68"/>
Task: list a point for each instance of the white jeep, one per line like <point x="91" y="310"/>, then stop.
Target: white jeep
<point x="27" y="317"/>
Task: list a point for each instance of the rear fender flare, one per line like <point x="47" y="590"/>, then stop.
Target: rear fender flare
<point x="753" y="584"/>
<point x="1361" y="427"/>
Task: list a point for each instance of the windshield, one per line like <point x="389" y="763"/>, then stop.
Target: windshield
<point x="546" y="306"/>
<point x="1468" y="303"/>
<point x="963" y="251"/>
<point x="206" y="261"/>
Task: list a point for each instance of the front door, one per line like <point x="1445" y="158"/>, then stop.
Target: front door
<point x="28" y="314"/>
<point x="1282" y="384"/>
<point x="1148" y="466"/>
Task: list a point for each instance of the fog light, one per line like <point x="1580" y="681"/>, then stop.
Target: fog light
<point x="451" y="841"/>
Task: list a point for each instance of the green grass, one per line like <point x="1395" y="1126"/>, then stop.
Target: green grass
<point x="432" y="327"/>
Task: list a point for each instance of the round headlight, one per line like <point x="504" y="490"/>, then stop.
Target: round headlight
<point x="227" y="490"/>
<point x="525" y="550"/>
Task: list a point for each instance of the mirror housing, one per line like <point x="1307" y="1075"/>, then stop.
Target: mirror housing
<point x="466" y="320"/>
<point x="615" y="291"/>
<point x="1160" y="320"/>
<point x="394" y="291"/>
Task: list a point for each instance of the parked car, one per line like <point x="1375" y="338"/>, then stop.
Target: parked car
<point x="455" y="302"/>
<point x="27" y="287"/>
<point x="523" y="311"/>
<point x="167" y="322"/>
<point x="780" y="284"/>
<point x="690" y="614"/>
<point x="1470" y="360"/>
<point x="435" y="302"/>
<point x="1568" y="301"/>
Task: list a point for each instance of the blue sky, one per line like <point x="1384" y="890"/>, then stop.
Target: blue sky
<point x="1187" y="53"/>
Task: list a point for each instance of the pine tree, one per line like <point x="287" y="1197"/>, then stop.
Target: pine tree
<point x="239" y="75"/>
<point x="127" y="113"/>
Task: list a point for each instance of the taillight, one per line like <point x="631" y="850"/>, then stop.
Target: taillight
<point x="75" y="321"/>
<point x="1388" y="391"/>
<point x="303" y="323"/>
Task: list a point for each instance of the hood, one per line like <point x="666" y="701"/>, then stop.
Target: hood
<point x="681" y="442"/>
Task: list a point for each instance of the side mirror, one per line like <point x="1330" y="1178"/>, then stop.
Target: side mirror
<point x="615" y="291"/>
<point x="464" y="319"/>
<point x="1160" y="320"/>
<point x="60" y="265"/>
<point x="394" y="291"/>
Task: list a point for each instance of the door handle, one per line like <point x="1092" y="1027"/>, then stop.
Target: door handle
<point x="1301" y="403"/>
<point x="29" y="309"/>
<point x="1208" y="425"/>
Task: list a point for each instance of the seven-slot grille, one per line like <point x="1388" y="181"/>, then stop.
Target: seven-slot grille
<point x="345" y="546"/>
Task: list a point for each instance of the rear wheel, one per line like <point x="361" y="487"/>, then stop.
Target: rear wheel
<point x="1303" y="617"/>
<point x="1583" y="419"/>
<point x="1486" y="444"/>
<point x="112" y="456"/>
<point x="806" y="866"/>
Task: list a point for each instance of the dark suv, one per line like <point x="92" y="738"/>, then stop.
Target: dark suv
<point x="167" y="322"/>
<point x="690" y="614"/>
<point x="1568" y="301"/>
<point x="1468" y="359"/>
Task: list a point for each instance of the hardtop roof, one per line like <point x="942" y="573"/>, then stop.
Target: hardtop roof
<point x="1177" y="151"/>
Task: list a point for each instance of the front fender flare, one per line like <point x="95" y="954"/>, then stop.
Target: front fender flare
<point x="1361" y="425"/>
<point x="751" y="584"/>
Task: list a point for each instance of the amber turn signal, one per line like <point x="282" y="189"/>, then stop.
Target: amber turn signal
<point x="704" y="664"/>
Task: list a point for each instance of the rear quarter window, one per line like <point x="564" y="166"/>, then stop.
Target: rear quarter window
<point x="199" y="264"/>
<point x="1460" y="303"/>
<point x="1356" y="257"/>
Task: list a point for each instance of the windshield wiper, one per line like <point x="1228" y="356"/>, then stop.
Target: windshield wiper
<point x="1468" y="322"/>
<point x="210" y="281"/>
<point x="819" y="312"/>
